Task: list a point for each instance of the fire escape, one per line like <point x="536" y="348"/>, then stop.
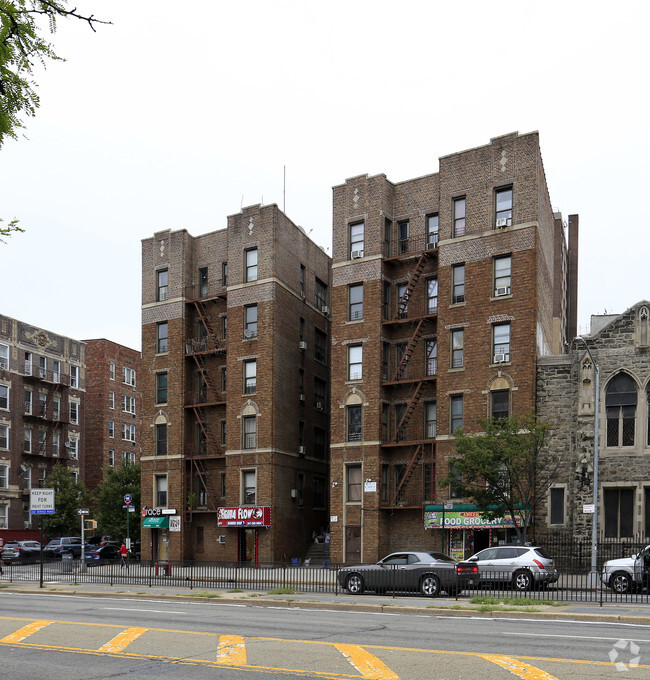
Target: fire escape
<point x="203" y="351"/>
<point x="422" y="253"/>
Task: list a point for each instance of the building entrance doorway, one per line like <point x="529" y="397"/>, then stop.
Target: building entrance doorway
<point x="247" y="545"/>
<point x="352" y="544"/>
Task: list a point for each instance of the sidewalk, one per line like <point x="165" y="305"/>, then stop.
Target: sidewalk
<point x="624" y="613"/>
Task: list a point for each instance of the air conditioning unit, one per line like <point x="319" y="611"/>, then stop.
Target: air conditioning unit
<point x="301" y="450"/>
<point x="249" y="333"/>
<point x="302" y="344"/>
<point x="325" y="309"/>
<point x="356" y="254"/>
<point x="501" y="358"/>
<point x="504" y="290"/>
<point x="319" y="405"/>
<point x="302" y="397"/>
<point x="504" y="222"/>
<point x="432" y="242"/>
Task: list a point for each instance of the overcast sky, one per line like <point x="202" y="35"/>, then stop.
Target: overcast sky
<point x="180" y="113"/>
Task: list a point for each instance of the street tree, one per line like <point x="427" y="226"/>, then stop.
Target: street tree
<point x="505" y="469"/>
<point x="69" y="497"/>
<point x="109" y="499"/>
<point x="8" y="229"/>
<point x="24" y="29"/>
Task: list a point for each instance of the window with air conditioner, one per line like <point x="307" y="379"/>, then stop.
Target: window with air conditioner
<point x="501" y="343"/>
<point x="73" y="448"/>
<point x="320" y="392"/>
<point x="502" y="275"/>
<point x="432" y="231"/>
<point x="320" y="292"/>
<point x="357" y="232"/>
<point x="248" y="487"/>
<point x="250" y="321"/>
<point x="503" y="207"/>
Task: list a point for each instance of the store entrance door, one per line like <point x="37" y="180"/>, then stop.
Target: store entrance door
<point x="246" y="545"/>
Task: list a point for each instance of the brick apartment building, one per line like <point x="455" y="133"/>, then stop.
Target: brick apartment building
<point x="42" y="414"/>
<point x="235" y="387"/>
<point x="113" y="408"/>
<point x="445" y="289"/>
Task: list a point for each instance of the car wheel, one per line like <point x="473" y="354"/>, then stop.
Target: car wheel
<point x="620" y="582"/>
<point x="430" y="585"/>
<point x="522" y="580"/>
<point x="354" y="584"/>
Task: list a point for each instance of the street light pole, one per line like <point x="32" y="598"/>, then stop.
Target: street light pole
<point x="594" y="525"/>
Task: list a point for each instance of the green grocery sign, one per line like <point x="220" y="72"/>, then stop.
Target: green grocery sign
<point x="471" y="519"/>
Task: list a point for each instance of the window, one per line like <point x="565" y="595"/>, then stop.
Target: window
<point x="385" y="360"/>
<point x="386" y="301"/>
<point x="224" y="273"/>
<point x="4" y="355"/>
<point x="401" y="360"/>
<point x="111" y="400"/>
<point x="354" y="423"/>
<point x="28" y="363"/>
<point x="128" y="376"/>
<point x="4" y="436"/>
<point x="111" y="457"/>
<point x="111" y="428"/>
<point x="500" y="407"/>
<point x="28" y="440"/>
<point x="432" y="231"/>
<point x="128" y="457"/>
<point x="74" y="376"/>
<point x="388" y="233"/>
<point x="459" y="217"/>
<point x="503" y="207"/>
<point x="403" y="229"/>
<point x="432" y="296"/>
<point x="457" y="348"/>
<point x="28" y="402"/>
<point x="430" y="417"/>
<point x="223" y="485"/>
<point x="619" y="512"/>
<point x="73" y="448"/>
<point x="620" y="402"/>
<point x="42" y="367"/>
<point x="457" y="284"/>
<point x="250" y="321"/>
<point x="4" y="515"/>
<point x="56" y="408"/>
<point x="501" y="342"/>
<point x="320" y="390"/>
<point x="74" y="412"/>
<point x="249" y="487"/>
<point x="160" y="486"/>
<point x="556" y="505"/>
<point x="162" y="289"/>
<point x="320" y="294"/>
<point x="203" y="281"/>
<point x="250" y="376"/>
<point x="353" y="484"/>
<point x="111" y="370"/>
<point x="319" y="443"/>
<point x="385" y="422"/>
<point x="427" y="481"/>
<point x="456" y="409"/>
<point x="303" y="273"/>
<point x="224" y="378"/>
<point x="161" y="388"/>
<point x="320" y="346"/>
<point x="250" y="432"/>
<point x="251" y="265"/>
<point x="56" y="444"/>
<point x="400" y="425"/>
<point x="161" y="439"/>
<point x="355" y="362"/>
<point x="162" y="334"/>
<point x="128" y="404"/>
<point x="56" y="371"/>
<point x="128" y="432"/>
<point x="4" y="476"/>
<point x="355" y="302"/>
<point x="42" y="405"/>
<point x="356" y="240"/>
<point x="402" y="301"/>
<point x="224" y="326"/>
<point x="431" y="348"/>
<point x="4" y="397"/>
<point x="42" y="441"/>
<point x="502" y="275"/>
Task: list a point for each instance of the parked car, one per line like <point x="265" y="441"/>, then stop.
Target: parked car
<point x="21" y="552"/>
<point x="96" y="555"/>
<point x="521" y="565"/>
<point x="627" y="573"/>
<point x="57" y="546"/>
<point x="414" y="571"/>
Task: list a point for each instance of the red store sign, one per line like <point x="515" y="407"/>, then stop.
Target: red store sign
<point x="244" y="517"/>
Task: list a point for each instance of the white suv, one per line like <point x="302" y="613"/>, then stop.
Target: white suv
<point x="521" y="565"/>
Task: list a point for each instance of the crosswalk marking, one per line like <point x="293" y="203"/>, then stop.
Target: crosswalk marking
<point x="121" y="641"/>
<point x="517" y="667"/>
<point x="25" y="631"/>
<point x="366" y="663"/>
<point x="231" y="650"/>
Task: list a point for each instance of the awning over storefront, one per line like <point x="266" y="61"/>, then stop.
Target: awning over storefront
<point x="464" y="516"/>
<point x="155" y="523"/>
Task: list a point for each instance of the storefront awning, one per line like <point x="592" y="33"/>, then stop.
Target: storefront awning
<point x="155" y="523"/>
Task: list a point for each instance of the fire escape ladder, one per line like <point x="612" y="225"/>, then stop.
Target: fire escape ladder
<point x="410" y="348"/>
<point x="202" y="312"/>
<point x="202" y="474"/>
<point x="408" y="412"/>
<point x="403" y="485"/>
<point x="203" y="424"/>
<point x="205" y="374"/>
<point x="410" y="287"/>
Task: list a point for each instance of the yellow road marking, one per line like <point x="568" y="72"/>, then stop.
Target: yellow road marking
<point x="121" y="641"/>
<point x="232" y="650"/>
<point x="518" y="668"/>
<point x="366" y="663"/>
<point x="25" y="631"/>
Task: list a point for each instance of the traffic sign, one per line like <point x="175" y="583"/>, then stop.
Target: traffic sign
<point x="128" y="499"/>
<point x="41" y="502"/>
<point x="83" y="511"/>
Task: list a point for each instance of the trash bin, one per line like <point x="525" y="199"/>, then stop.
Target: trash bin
<point x="66" y="561"/>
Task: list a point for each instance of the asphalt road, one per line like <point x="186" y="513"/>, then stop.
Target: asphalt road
<point x="65" y="637"/>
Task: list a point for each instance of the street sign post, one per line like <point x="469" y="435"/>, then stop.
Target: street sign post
<point x="41" y="502"/>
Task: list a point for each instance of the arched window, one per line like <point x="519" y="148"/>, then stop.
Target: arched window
<point x="620" y="400"/>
